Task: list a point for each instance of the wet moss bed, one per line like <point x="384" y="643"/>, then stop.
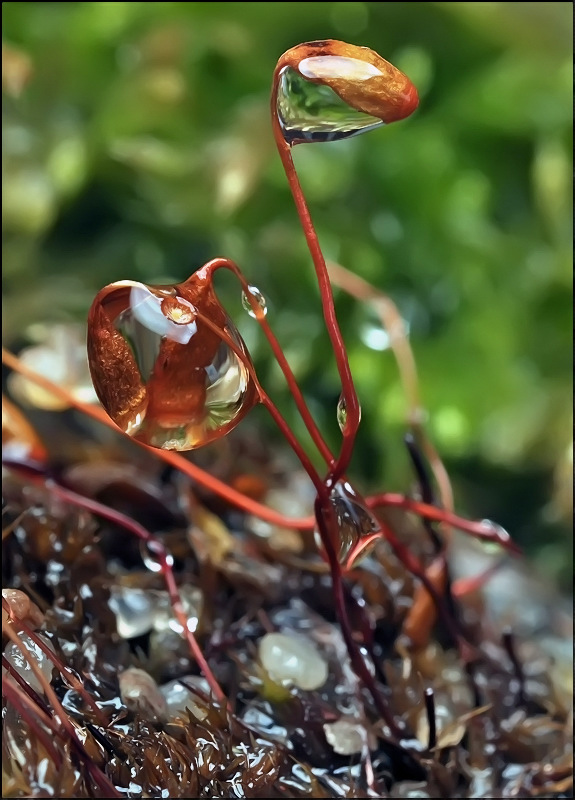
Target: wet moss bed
<point x="494" y="724"/>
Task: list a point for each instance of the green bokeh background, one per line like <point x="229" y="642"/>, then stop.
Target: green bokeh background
<point x="139" y="146"/>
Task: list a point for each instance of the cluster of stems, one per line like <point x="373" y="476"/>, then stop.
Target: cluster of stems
<point x="432" y="578"/>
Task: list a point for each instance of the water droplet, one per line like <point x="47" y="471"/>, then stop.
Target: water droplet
<point x="309" y="112"/>
<point x="150" y="551"/>
<point x="192" y="604"/>
<point x="354" y="523"/>
<point x="134" y="610"/>
<point x="348" y="736"/>
<point x="342" y="413"/>
<point x="162" y="374"/>
<point x="259" y="299"/>
<point x="330" y="90"/>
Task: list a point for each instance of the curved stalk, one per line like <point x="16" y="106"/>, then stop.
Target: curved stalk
<point x="170" y="457"/>
<point x="348" y="388"/>
<point x="295" y="391"/>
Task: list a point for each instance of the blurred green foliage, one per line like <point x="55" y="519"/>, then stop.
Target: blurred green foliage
<point x="137" y="144"/>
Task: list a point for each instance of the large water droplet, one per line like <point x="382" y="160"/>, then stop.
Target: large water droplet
<point x="309" y="112"/>
<point x="354" y="523"/>
<point x="330" y="90"/>
<point x="258" y="297"/>
<point x="162" y="374"/>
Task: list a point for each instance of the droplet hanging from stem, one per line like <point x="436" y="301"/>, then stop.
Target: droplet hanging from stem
<point x="330" y="90"/>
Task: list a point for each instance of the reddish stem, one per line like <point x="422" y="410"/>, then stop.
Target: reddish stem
<point x="271" y="407"/>
<point x="356" y="658"/>
<point x="293" y="387"/>
<point x="34" y="716"/>
<point x="489" y="531"/>
<point x="414" y="566"/>
<point x="159" y="551"/>
<point x="323" y="511"/>
<point x="64" y="670"/>
<point x="353" y="410"/>
<point x="96" y="773"/>
<point x="179" y="462"/>
<point x="34" y="696"/>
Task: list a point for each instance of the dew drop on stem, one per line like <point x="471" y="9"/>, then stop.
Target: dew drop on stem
<point x="342" y="413"/>
<point x="350" y="522"/>
<point x="258" y="297"/>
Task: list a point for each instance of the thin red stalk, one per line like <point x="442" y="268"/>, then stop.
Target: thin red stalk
<point x="486" y="530"/>
<point x="322" y="509"/>
<point x="236" y="498"/>
<point x="195" y="473"/>
<point x="414" y="566"/>
<point x="271" y="407"/>
<point x="101" y="779"/>
<point x="66" y="672"/>
<point x="34" y="716"/>
<point x="34" y="696"/>
<point x="295" y="391"/>
<point x="158" y="549"/>
<point x="353" y="411"/>
<point x="348" y="389"/>
<point x="464" y="586"/>
<point x="356" y="658"/>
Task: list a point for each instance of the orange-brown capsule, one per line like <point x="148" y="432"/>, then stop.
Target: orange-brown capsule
<point x="328" y="90"/>
<point x="163" y="374"/>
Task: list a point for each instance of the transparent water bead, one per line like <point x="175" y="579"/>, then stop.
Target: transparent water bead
<point x="292" y="660"/>
<point x="342" y="413"/>
<point x="309" y="112"/>
<point x="329" y="90"/>
<point x="354" y="523"/>
<point x="134" y="609"/>
<point x="259" y="299"/>
<point x="161" y="372"/>
<point x="192" y="603"/>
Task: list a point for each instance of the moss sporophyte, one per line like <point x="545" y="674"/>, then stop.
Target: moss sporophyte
<point x="173" y="373"/>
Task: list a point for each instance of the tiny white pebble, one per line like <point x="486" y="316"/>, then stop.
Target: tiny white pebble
<point x="178" y="698"/>
<point x="140" y="693"/>
<point x="292" y="660"/>
<point x="347" y="736"/>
